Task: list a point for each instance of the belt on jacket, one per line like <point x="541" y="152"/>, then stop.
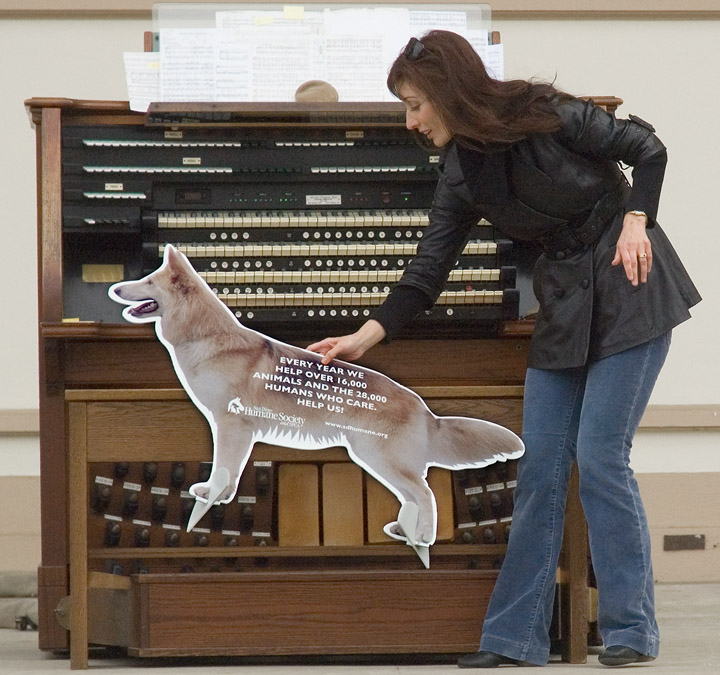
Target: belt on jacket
<point x="585" y="229"/>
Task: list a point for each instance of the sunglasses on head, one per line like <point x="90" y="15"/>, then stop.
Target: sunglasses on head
<point x="414" y="49"/>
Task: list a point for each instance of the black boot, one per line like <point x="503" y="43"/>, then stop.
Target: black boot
<point x="485" y="660"/>
<point x="617" y="655"/>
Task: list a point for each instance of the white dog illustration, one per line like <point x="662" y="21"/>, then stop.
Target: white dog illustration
<point x="253" y="388"/>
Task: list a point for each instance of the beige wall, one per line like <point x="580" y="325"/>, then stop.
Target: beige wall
<point x="683" y="504"/>
<point x="665" y="69"/>
<point x="19" y="523"/>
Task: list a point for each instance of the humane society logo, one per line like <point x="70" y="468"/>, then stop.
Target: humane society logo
<point x="237" y="408"/>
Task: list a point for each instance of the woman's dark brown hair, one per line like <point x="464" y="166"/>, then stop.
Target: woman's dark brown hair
<point x="476" y="109"/>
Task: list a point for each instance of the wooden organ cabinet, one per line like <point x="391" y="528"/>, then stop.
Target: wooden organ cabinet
<point x="300" y="216"/>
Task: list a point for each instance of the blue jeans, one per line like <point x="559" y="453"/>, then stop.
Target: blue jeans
<point x="589" y="415"/>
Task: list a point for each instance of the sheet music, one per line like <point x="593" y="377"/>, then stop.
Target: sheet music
<point x="423" y="21"/>
<point x="265" y="55"/>
<point x="359" y="47"/>
<point x="188" y="64"/>
<point x="493" y="58"/>
<point x="142" y="71"/>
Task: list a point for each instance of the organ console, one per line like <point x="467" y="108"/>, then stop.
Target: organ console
<point x="306" y="218"/>
<point x="300" y="217"/>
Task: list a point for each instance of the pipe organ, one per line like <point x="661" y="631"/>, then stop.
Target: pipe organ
<point x="300" y="217"/>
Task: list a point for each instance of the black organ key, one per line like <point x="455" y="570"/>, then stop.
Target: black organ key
<point x="150" y="472"/>
<point x="204" y="472"/>
<point x="475" y="506"/>
<point x="177" y="474"/>
<point x="101" y="498"/>
<point x="121" y="469"/>
<point x="217" y="515"/>
<point x="497" y="504"/>
<point x="262" y="482"/>
<point x="489" y="536"/>
<point x="112" y="533"/>
<point x="113" y="567"/>
<point x="247" y="517"/>
<point x="159" y="507"/>
<point x="131" y="502"/>
<point x="142" y="537"/>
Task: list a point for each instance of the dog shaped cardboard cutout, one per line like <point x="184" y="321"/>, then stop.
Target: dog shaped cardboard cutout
<point x="252" y="388"/>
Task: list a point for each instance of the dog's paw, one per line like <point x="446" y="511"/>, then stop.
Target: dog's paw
<point x="411" y="526"/>
<point x="217" y="489"/>
<point x="394" y="530"/>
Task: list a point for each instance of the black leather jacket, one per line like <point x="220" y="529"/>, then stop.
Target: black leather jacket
<point x="565" y="190"/>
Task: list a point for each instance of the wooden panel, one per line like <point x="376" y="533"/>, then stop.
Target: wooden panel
<point x="77" y="516"/>
<point x="147" y="431"/>
<point x="507" y="413"/>
<point x="52" y="587"/>
<point x="572" y="577"/>
<point x="382" y="508"/>
<point x="118" y="363"/>
<point x="400" y="611"/>
<point x="298" y="505"/>
<point x="440" y="482"/>
<point x="475" y="362"/>
<point x="145" y="363"/>
<point x="342" y="499"/>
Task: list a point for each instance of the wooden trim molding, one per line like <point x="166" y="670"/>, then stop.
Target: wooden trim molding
<point x="19" y="422"/>
<point x="500" y="8"/>
<point x="681" y="417"/>
<point x="659" y="417"/>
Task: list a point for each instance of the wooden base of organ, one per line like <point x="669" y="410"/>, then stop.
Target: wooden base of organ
<point x="109" y="396"/>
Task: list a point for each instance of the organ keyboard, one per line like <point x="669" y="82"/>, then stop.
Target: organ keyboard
<point x="348" y="199"/>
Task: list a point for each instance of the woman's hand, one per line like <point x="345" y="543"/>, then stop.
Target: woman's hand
<point x="349" y="347"/>
<point x="633" y="249"/>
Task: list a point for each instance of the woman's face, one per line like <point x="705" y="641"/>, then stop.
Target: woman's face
<point x="422" y="116"/>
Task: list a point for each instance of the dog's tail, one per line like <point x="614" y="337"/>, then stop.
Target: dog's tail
<point x="470" y="442"/>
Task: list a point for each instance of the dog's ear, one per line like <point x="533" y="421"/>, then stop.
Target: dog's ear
<point x="181" y="271"/>
<point x="176" y="260"/>
<point x="171" y="254"/>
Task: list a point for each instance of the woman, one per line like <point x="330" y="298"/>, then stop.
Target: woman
<point x="541" y="165"/>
